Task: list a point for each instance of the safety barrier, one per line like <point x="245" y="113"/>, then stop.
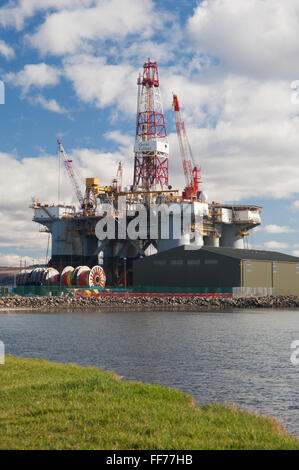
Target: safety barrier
<point x="5" y="291"/>
<point x="39" y="291"/>
<point x="253" y="291"/>
<point x="182" y="290"/>
<point x="147" y="291"/>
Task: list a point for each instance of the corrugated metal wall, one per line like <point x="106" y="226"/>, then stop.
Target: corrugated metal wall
<point x="190" y="268"/>
<point x="256" y="273"/>
<point x="282" y="276"/>
<point x="286" y="278"/>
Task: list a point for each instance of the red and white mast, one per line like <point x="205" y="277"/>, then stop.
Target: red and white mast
<point x="151" y="143"/>
<point x="117" y="181"/>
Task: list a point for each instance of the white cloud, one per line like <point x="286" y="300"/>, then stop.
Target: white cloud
<point x="13" y="260"/>
<point x="31" y="176"/>
<point x="94" y="163"/>
<point x="70" y="31"/>
<point x="19" y="231"/>
<point x="6" y="50"/>
<point x="37" y="76"/>
<point x="243" y="131"/>
<point x="162" y="52"/>
<point x="34" y="75"/>
<point x="102" y="84"/>
<point x="241" y="124"/>
<point x="16" y="12"/>
<point x="257" y="38"/>
<point x="118" y="137"/>
<point x="295" y="205"/>
<point x="277" y="229"/>
<point x="39" y="177"/>
<point x="240" y="119"/>
<point x="50" y="105"/>
<point x="295" y="253"/>
<point x="273" y="245"/>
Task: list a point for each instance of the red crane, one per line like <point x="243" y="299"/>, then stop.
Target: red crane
<point x="117" y="181"/>
<point x="191" y="170"/>
<point x="68" y="165"/>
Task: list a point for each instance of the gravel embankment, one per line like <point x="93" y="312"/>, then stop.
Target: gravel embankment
<point x="135" y="303"/>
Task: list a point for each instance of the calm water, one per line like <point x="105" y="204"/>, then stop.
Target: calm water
<point x="240" y="357"/>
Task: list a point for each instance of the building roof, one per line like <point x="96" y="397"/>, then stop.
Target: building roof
<point x="238" y="206"/>
<point x="251" y="254"/>
<point x="236" y="253"/>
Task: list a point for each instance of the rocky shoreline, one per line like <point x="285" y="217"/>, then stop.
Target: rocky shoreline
<point x="141" y="303"/>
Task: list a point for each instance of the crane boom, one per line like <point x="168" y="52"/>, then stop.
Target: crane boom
<point x="117" y="181"/>
<point x="191" y="170"/>
<point x="69" y="168"/>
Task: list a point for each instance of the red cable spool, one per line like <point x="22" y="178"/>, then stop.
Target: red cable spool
<point x="66" y="276"/>
<point x="97" y="277"/>
<point x="83" y="276"/>
<point x="51" y="276"/>
<point x="74" y="276"/>
<point x="55" y="279"/>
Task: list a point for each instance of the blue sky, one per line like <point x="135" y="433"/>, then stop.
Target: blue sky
<point x="70" y="69"/>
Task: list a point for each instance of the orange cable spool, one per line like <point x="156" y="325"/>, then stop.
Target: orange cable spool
<point x="66" y="275"/>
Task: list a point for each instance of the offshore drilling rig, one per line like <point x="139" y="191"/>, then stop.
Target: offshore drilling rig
<point x="74" y="238"/>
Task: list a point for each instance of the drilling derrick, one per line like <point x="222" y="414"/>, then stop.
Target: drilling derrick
<point x="151" y="143"/>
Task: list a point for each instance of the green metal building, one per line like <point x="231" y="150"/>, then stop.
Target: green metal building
<point x="244" y="272"/>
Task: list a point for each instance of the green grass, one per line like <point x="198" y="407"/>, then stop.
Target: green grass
<point x="45" y="405"/>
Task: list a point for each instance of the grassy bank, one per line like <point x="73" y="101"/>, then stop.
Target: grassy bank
<point x="44" y="405"/>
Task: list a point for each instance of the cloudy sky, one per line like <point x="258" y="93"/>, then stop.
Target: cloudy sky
<point x="70" y="68"/>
